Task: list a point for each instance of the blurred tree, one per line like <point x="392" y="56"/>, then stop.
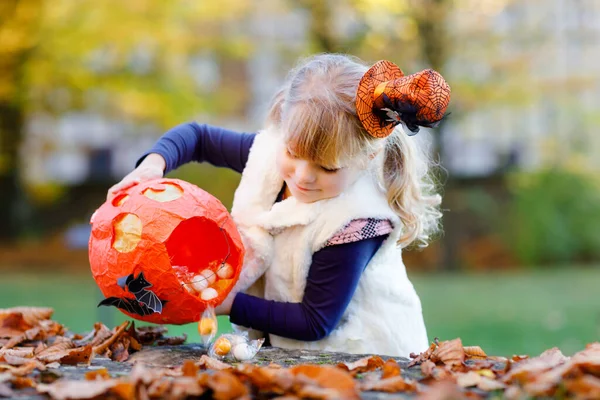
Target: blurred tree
<point x="19" y="26"/>
<point x="140" y="61"/>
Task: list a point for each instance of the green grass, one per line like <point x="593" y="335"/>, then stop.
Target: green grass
<point x="511" y="313"/>
<point x="514" y="313"/>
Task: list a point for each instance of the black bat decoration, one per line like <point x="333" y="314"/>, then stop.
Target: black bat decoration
<point x="406" y="113"/>
<point x="146" y="302"/>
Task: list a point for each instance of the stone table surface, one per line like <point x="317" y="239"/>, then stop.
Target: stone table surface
<point x="172" y="356"/>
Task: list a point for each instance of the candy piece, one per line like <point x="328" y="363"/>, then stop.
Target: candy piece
<point x="199" y="283"/>
<point x="222" y="346"/>
<point x="246" y="351"/>
<point x="208" y="294"/>
<point x="225" y="271"/>
<point x="209" y="275"/>
<point x="207" y="326"/>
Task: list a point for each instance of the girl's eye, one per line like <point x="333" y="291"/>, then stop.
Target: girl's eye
<point x="330" y="171"/>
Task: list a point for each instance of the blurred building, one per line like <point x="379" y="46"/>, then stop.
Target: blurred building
<point x="549" y="48"/>
<point x="543" y="59"/>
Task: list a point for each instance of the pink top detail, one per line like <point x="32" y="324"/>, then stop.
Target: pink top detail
<point x="360" y="229"/>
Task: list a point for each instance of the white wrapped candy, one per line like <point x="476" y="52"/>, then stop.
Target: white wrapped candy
<point x="236" y="347"/>
<point x="209" y="275"/>
<point x="225" y="271"/>
<point x="208" y="294"/>
<point x="246" y="351"/>
<point x="199" y="283"/>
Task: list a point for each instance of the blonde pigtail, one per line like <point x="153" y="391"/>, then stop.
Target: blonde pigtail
<point x="411" y="189"/>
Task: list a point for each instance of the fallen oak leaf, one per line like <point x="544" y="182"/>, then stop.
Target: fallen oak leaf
<point x="101" y="348"/>
<point x="78" y="355"/>
<point x="584" y="387"/>
<point x="226" y="385"/>
<point x="189" y="368"/>
<point x="269" y="380"/>
<point x="101" y="373"/>
<point x="394" y="384"/>
<point x="18" y="352"/>
<point x="526" y="371"/>
<point x="73" y="389"/>
<point x="172" y="340"/>
<point x="390" y="369"/>
<point x="474" y="352"/>
<point x="365" y="364"/>
<point x="449" y="352"/>
<point x="422" y="357"/>
<point x="20" y="382"/>
<point x="327" y="377"/>
<point x="30" y="315"/>
<point x="211" y="363"/>
<point x="468" y="379"/>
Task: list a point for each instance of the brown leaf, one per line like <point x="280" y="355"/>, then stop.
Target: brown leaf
<point x="101" y="373"/>
<point x="390" y="369"/>
<point x="277" y="381"/>
<point x="488" y="385"/>
<point x="211" y="363"/>
<point x="24" y="369"/>
<point x="20" y="382"/>
<point x="124" y="390"/>
<point x="172" y="340"/>
<point x="449" y="352"/>
<point x="30" y="315"/>
<point x="118" y="331"/>
<point x="442" y="390"/>
<point x="327" y="377"/>
<point x="76" y="356"/>
<point x="189" y="368"/>
<point x="474" y="352"/>
<point x="184" y="387"/>
<point x="468" y="379"/>
<point x="159" y="388"/>
<point x="73" y="389"/>
<point x="54" y="351"/>
<point x="365" y="364"/>
<point x="394" y="384"/>
<point x="18" y="352"/>
<point x="584" y="387"/>
<point x="426" y="355"/>
<point x="119" y="351"/>
<point x="150" y="334"/>
<point x="226" y="385"/>
<point x="525" y="371"/>
<point x="588" y="360"/>
<point x="427" y="368"/>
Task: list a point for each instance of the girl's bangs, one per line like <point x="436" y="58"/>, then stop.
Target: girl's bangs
<point x="313" y="134"/>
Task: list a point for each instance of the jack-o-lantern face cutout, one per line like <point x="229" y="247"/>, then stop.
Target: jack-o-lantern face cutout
<point x="163" y="250"/>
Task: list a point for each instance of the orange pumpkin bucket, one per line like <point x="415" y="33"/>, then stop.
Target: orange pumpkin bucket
<point x="164" y="250"/>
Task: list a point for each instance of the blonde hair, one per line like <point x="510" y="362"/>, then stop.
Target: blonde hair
<point x="315" y="110"/>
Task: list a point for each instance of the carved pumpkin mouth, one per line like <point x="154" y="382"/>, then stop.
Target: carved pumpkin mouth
<point x="200" y="260"/>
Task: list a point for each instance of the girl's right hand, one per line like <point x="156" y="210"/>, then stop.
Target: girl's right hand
<point x="153" y="167"/>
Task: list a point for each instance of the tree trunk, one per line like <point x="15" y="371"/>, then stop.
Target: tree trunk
<point x="12" y="203"/>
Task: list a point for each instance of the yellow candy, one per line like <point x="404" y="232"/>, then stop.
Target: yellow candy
<point x="207" y="326"/>
<point x="222" y="346"/>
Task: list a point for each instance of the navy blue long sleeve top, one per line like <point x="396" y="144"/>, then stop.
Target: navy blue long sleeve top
<point x="335" y="270"/>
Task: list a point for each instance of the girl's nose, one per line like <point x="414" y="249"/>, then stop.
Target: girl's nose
<point x="305" y="172"/>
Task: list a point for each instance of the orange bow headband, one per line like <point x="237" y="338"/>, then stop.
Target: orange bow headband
<point x="386" y="98"/>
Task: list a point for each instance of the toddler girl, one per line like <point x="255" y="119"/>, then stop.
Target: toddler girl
<point x="331" y="191"/>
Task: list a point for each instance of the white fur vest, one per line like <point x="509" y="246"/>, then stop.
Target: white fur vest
<point x="384" y="315"/>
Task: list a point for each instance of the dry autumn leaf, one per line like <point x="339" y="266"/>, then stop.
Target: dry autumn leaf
<point x="30" y="315"/>
<point x="390" y="369"/>
<point x="365" y="364"/>
<point x="474" y="352"/>
<point x="326" y="377"/>
<point x="394" y="384"/>
<point x="226" y="386"/>
<point x="449" y="352"/>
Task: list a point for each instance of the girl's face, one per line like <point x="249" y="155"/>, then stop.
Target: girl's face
<point x="309" y="182"/>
